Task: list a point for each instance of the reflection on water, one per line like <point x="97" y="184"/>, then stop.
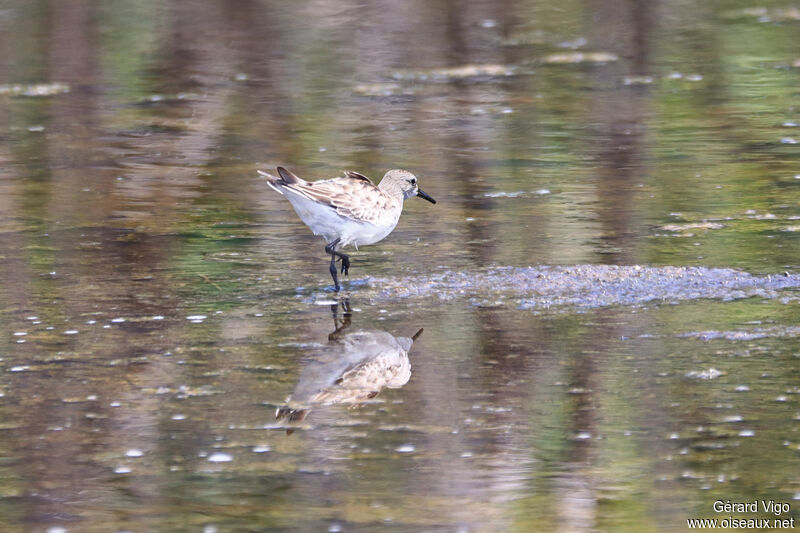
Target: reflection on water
<point x="353" y="368"/>
<point x="158" y="302"/>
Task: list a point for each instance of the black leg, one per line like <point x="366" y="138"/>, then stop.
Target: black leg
<point x="333" y="272"/>
<point x="331" y="249"/>
<point x="348" y="311"/>
<point x="344" y="323"/>
<point x="345" y="262"/>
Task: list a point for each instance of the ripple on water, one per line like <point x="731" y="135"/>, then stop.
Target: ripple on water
<point x="745" y="335"/>
<point x="587" y="286"/>
<point x="707" y="374"/>
<point x="220" y="457"/>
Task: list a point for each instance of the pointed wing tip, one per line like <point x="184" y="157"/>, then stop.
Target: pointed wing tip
<point x="357" y="176"/>
<point x="288" y="176"/>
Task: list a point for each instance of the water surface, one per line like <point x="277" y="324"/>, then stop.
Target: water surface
<point x="159" y="303"/>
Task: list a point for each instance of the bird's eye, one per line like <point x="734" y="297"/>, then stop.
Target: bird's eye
<point x="413" y="181"/>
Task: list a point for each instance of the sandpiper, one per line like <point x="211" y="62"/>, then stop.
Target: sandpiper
<point x="349" y="209"/>
<point x="354" y="367"/>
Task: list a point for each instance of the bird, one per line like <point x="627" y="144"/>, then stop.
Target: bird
<point x="347" y="210"/>
<point x="353" y="368"/>
<point x="351" y="371"/>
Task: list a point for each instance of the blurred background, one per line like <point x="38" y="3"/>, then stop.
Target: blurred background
<point x="159" y="302"/>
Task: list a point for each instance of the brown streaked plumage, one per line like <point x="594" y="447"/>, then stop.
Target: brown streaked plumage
<point x="354" y="368"/>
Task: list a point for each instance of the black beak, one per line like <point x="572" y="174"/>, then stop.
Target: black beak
<point x="423" y="194"/>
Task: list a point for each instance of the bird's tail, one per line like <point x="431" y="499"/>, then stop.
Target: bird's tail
<point x="292" y="415"/>
<point x="286" y="178"/>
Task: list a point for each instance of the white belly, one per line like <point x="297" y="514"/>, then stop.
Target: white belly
<point x="328" y="223"/>
<point x="363" y="233"/>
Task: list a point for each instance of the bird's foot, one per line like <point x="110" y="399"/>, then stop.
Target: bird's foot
<point x="345" y="264"/>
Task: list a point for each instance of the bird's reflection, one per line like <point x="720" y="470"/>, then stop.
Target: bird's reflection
<point x="354" y="367"/>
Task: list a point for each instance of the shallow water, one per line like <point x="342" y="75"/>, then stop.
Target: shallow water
<point x="159" y="303"/>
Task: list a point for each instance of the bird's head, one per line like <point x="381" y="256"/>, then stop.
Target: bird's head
<point x="405" y="182"/>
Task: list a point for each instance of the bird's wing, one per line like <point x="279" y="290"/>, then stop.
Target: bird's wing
<point x="389" y="369"/>
<point x="353" y="197"/>
<point x="357" y="176"/>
